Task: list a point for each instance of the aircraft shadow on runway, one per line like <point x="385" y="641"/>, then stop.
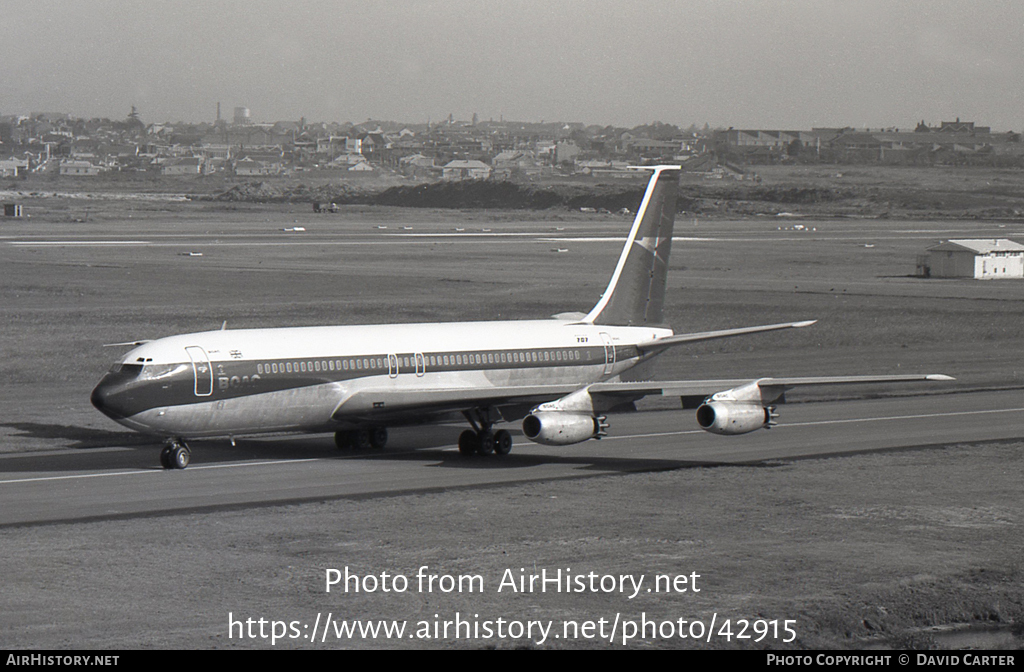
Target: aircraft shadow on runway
<point x="434" y="445"/>
<point x="81" y="438"/>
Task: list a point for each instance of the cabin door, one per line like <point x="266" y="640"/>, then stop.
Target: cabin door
<point x="201" y="370"/>
<point x="609" y="353"/>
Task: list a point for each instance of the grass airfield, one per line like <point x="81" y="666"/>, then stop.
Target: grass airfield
<point x="908" y="549"/>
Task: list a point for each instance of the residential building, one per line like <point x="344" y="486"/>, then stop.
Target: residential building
<point x="461" y="169"/>
<point x="192" y="165"/>
<point x="13" y="167"/>
<point x="79" y="168"/>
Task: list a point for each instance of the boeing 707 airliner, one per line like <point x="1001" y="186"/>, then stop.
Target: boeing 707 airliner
<point x="561" y="376"/>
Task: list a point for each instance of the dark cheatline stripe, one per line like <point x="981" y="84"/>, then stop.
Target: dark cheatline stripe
<point x="233" y="379"/>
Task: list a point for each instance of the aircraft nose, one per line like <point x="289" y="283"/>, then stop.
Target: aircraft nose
<point x="102" y="398"/>
<point x="113" y="396"/>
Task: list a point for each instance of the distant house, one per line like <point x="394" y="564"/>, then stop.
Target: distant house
<point x="462" y="169"/>
<point x="192" y="165"/>
<point x="346" y="161"/>
<point x="512" y="161"/>
<point x="79" y="168"/>
<point x="566" y="151"/>
<point x="984" y="259"/>
<point x="252" y="167"/>
<point x="418" y="165"/>
<point x="13" y="167"/>
<point x="335" y="144"/>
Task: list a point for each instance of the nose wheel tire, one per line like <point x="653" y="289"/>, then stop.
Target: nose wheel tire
<point x="175" y="455"/>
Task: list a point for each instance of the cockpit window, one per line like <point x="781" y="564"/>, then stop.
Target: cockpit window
<point x="126" y="369"/>
<point x="155" y="371"/>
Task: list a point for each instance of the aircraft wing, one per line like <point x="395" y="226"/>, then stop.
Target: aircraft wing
<point x="389" y="404"/>
<point x="680" y="388"/>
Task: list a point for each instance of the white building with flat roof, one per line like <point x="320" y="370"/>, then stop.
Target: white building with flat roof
<point x="984" y="259"/>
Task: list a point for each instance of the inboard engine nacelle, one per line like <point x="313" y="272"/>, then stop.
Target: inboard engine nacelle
<point x="724" y="417"/>
<point x="739" y="410"/>
<point x="557" y="428"/>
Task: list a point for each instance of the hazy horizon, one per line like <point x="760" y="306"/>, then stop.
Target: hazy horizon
<point x="756" y="64"/>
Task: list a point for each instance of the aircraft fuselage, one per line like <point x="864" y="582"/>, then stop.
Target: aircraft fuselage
<point x="320" y="379"/>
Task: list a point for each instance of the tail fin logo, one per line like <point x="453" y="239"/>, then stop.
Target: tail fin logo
<point x="635" y="295"/>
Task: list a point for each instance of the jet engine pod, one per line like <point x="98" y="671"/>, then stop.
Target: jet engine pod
<point x="561" y="429"/>
<point x="725" y="417"/>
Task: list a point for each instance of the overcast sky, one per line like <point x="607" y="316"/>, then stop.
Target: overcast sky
<point x="743" y="63"/>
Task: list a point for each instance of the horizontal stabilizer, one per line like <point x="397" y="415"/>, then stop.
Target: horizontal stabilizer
<point x="678" y="339"/>
<point x="133" y="344"/>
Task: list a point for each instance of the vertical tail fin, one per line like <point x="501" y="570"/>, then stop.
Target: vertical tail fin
<point x="636" y="293"/>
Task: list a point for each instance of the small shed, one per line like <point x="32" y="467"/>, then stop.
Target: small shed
<point x="983" y="259"/>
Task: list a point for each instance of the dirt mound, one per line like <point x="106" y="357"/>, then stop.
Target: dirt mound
<point x="252" y="192"/>
<point x="513" y="196"/>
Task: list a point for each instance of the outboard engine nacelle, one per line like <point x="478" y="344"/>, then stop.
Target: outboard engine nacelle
<point x="555" y="428"/>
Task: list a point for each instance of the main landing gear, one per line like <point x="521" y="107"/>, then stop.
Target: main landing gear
<point x="481" y="439"/>
<point x="361" y="439"/>
<point x="175" y="454"/>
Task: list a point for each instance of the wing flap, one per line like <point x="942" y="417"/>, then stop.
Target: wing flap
<point x="385" y="402"/>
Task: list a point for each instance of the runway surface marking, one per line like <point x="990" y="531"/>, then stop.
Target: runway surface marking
<point x="24" y="243"/>
<point x="920" y="416"/>
<point x="608" y="438"/>
<point x="479" y="237"/>
<point x="159" y="471"/>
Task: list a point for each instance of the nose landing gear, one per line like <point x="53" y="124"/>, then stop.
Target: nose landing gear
<point x="175" y="454"/>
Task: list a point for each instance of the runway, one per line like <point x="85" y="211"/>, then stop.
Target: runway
<point x="126" y="481"/>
